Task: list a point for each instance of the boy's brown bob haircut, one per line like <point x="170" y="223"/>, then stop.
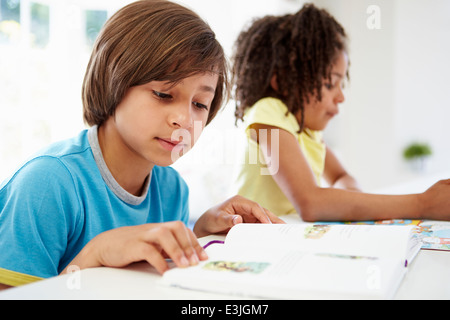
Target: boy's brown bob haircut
<point x="150" y="40"/>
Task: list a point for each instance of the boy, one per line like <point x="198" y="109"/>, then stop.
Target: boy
<point x="107" y="197"/>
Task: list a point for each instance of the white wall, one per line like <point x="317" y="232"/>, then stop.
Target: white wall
<point x="362" y="134"/>
<point x="398" y="89"/>
<point x="422" y="84"/>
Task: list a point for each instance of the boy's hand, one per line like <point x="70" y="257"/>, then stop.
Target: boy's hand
<point x="221" y="218"/>
<point x="150" y="242"/>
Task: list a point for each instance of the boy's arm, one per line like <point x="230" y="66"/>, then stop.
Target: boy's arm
<point x="4" y="286"/>
<point x="152" y="242"/>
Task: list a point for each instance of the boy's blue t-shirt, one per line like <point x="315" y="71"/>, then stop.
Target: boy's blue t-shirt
<point x="65" y="196"/>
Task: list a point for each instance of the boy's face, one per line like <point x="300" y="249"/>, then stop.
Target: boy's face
<point x="319" y="113"/>
<point x="156" y="121"/>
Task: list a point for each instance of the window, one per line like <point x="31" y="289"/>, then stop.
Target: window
<point x="10" y="10"/>
<point x="40" y="25"/>
<point x="44" y="49"/>
<point x="9" y="20"/>
<point x="94" y="22"/>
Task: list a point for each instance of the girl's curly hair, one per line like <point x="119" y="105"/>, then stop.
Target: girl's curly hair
<point x="299" y="49"/>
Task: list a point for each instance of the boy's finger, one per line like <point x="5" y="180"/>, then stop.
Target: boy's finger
<point x="164" y="237"/>
<point x="188" y="243"/>
<point x="273" y="217"/>
<point x="259" y="213"/>
<point x="229" y="220"/>
<point x="155" y="258"/>
<point x="201" y="254"/>
<point x="265" y="216"/>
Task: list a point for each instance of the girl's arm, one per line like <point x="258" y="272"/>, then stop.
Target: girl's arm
<point x="336" y="175"/>
<point x="314" y="203"/>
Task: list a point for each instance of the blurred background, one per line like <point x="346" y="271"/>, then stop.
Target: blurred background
<point x="398" y="94"/>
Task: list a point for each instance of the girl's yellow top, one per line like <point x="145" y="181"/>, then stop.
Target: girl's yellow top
<point x="253" y="180"/>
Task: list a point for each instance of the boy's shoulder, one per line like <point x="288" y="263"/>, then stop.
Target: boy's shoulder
<point x="52" y="161"/>
<point x="67" y="147"/>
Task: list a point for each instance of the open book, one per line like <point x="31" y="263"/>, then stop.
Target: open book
<point x="294" y="261"/>
<point x="435" y="235"/>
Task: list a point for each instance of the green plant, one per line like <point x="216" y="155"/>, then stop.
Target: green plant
<point x="417" y="150"/>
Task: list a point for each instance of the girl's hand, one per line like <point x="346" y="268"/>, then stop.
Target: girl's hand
<point x="150" y="242"/>
<point x="221" y="218"/>
<point x="436" y="201"/>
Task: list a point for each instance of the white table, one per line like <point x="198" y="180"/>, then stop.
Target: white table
<point x="428" y="277"/>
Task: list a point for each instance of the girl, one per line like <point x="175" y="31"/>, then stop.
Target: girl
<point x="288" y="74"/>
<point x="107" y="197"/>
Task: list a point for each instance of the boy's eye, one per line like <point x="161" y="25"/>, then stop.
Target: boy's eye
<point x="166" y="96"/>
<point x="200" y="105"/>
<point x="162" y="95"/>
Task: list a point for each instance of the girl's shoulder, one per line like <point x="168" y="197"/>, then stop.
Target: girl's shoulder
<point x="273" y="112"/>
<point x="316" y="136"/>
<point x="270" y="103"/>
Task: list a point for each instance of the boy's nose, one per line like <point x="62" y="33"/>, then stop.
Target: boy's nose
<point x="182" y="117"/>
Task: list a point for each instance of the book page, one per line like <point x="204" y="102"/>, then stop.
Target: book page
<point x="434" y="235"/>
<point x="361" y="240"/>
<point x="290" y="274"/>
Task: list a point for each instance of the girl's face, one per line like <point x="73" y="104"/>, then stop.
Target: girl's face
<point x="319" y="113"/>
<point x="155" y="121"/>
